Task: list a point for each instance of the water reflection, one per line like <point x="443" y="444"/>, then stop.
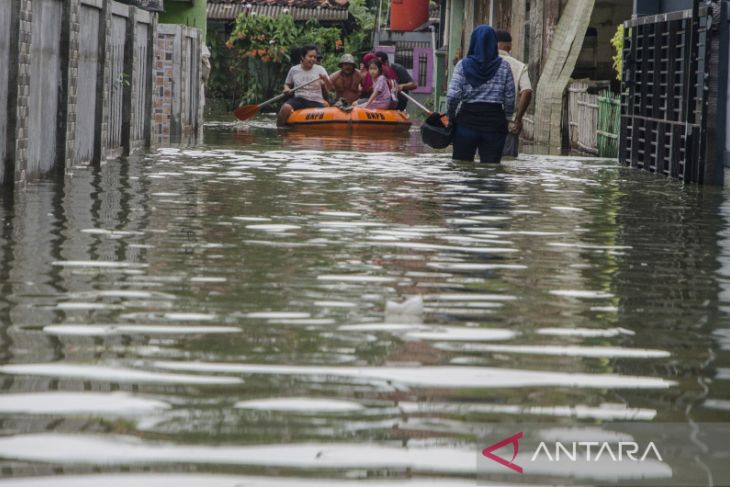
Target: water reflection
<point x="276" y="288"/>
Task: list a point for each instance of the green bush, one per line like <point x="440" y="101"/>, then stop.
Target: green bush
<point x="618" y="45"/>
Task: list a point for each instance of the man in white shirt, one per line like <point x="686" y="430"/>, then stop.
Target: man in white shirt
<point x="523" y="89"/>
<point x="309" y="96"/>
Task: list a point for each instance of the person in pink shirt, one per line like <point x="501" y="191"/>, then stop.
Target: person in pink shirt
<point x="367" y="80"/>
<point x="382" y="97"/>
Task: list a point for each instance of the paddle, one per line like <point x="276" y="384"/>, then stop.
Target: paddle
<point x="444" y="118"/>
<point x="247" y="111"/>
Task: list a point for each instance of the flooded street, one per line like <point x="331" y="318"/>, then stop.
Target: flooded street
<point x="279" y="309"/>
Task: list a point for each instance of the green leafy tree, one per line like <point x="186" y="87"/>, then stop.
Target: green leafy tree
<point x="252" y="62"/>
<point x="618" y="45"/>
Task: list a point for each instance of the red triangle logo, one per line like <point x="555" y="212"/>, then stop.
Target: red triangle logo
<point x="515" y="442"/>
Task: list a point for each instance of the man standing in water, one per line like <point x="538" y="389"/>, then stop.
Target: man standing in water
<point x="347" y="81"/>
<point x="309" y="96"/>
<point x="523" y="89"/>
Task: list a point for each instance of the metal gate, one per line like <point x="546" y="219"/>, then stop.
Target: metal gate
<point x="664" y="94"/>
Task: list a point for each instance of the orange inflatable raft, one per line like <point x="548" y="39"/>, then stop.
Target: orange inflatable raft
<point x="356" y="119"/>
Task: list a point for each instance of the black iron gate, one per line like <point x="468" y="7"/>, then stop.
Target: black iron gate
<point x="664" y="94"/>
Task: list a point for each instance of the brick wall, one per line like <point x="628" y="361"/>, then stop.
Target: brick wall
<point x="163" y="84"/>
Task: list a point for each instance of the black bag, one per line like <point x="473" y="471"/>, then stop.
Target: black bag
<point x="434" y="134"/>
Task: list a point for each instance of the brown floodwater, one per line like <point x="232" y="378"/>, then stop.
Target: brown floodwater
<point x="275" y="308"/>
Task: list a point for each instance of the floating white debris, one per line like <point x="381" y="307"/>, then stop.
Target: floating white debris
<point x="411" y="310"/>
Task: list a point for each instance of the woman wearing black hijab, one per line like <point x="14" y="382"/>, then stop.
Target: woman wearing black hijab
<point x="481" y="100"/>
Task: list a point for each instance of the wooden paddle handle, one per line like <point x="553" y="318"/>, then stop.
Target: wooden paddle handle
<point x="279" y="97"/>
<point x="415" y="102"/>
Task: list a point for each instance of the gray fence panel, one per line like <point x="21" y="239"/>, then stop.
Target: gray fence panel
<point x="117" y="81"/>
<point x="5" y="16"/>
<point x="185" y="83"/>
<point x="89" y="55"/>
<point x="194" y="82"/>
<point x="177" y="91"/>
<point x="45" y="79"/>
<point x="142" y="45"/>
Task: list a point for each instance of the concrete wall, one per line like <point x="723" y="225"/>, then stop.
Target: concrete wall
<point x="81" y="85"/>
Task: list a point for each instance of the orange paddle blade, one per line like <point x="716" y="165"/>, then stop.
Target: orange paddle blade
<point x="245" y="112"/>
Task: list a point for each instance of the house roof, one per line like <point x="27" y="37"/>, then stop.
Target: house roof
<point x="301" y="10"/>
<point x="289" y="3"/>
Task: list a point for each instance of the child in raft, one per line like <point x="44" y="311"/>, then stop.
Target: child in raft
<point x="382" y="97"/>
